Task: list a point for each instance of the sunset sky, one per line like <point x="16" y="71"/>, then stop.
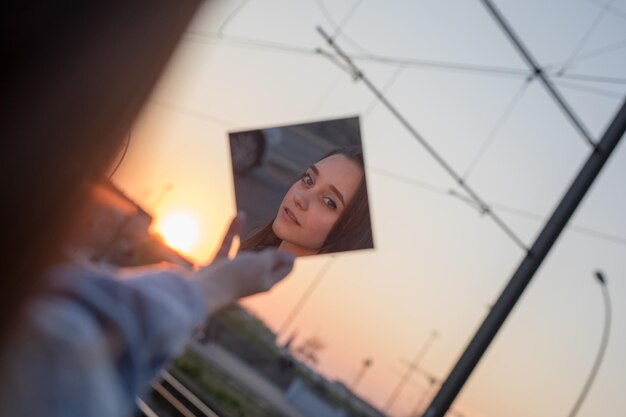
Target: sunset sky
<point x="438" y="263"/>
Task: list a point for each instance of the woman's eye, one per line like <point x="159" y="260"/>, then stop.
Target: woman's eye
<point x="330" y="203"/>
<point x="307" y="179"/>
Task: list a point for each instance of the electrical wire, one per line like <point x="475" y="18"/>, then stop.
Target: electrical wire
<point x="497" y="206"/>
<point x="592" y="90"/>
<point x="337" y="29"/>
<point x="496" y="128"/>
<point x="305" y="296"/>
<point x="119" y="162"/>
<point x="443" y="65"/>
<point x="585" y="37"/>
<point x="395" y="61"/>
<point x="496" y="71"/>
<point x="613" y="10"/>
<point x="290" y="48"/>
<point x="573" y="227"/>
<point x="359" y="75"/>
<point x="346" y="18"/>
<point x="410" y="181"/>
<point x="248" y="43"/>
<point x="194" y="113"/>
<point x="231" y="16"/>
<point x="565" y="108"/>
<point x="329" y="90"/>
<point x="595" y="78"/>
<point x="588" y="55"/>
<point x="487" y="70"/>
<point x="385" y="89"/>
<point x="604" y="342"/>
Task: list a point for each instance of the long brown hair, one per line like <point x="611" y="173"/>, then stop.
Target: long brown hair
<point x="353" y="229"/>
<point x="75" y="76"/>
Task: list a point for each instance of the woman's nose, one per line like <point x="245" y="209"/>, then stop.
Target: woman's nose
<point x="301" y="200"/>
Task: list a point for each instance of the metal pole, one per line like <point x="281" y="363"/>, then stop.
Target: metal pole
<point x="305" y="296"/>
<point x="527" y="268"/>
<point x="603" y="344"/>
<point x="538" y="71"/>
<point x="432" y="381"/>
<point x="351" y="68"/>
<point x="412" y="367"/>
<point x="168" y="187"/>
<point x="364" y="367"/>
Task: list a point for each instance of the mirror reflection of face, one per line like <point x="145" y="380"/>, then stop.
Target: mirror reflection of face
<point x="313" y="204"/>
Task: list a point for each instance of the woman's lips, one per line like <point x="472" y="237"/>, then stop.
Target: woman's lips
<point x="290" y="216"/>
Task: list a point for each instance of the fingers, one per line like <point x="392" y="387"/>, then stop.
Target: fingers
<point x="283" y="262"/>
<point x="249" y="273"/>
<point x="280" y="265"/>
<point x="234" y="229"/>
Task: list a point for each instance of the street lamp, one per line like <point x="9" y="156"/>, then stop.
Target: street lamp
<point x="431" y="384"/>
<point x="367" y="362"/>
<point x="168" y="187"/>
<point x="603" y="344"/>
<point x="413" y="366"/>
<point x="303" y="299"/>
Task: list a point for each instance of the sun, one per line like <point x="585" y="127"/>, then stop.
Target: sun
<point x="179" y="230"/>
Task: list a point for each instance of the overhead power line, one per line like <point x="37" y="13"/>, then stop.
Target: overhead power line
<point x="193" y="113"/>
<point x="353" y="70"/>
<point x="595" y="78"/>
<point x="585" y="37"/>
<point x="590" y="54"/>
<point x="498" y="125"/>
<point x="487" y="70"/>
<point x="612" y="9"/>
<point x="337" y="31"/>
<point x="338" y="27"/>
<point x="506" y="28"/>
<point x="346" y="18"/>
<point x="119" y="162"/>
<point x="248" y="43"/>
<point x="443" y="65"/>
<point x="230" y="17"/>
<point x="497" y="206"/>
<point x="395" y="61"/>
<point x="332" y="86"/>
<point x="527" y="268"/>
<point x="591" y="90"/>
<point x="392" y="79"/>
<point x="305" y="296"/>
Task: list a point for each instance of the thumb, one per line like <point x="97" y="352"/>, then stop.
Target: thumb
<point x="280" y="265"/>
<point x="234" y="229"/>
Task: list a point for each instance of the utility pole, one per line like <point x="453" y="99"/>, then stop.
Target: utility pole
<point x="431" y="384"/>
<point x="157" y="201"/>
<point x="603" y="344"/>
<point x="367" y="362"/>
<point x="527" y="268"/>
<point x="307" y="293"/>
<point x="410" y="369"/>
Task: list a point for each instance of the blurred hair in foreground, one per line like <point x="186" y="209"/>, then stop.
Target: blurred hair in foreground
<point x="75" y="75"/>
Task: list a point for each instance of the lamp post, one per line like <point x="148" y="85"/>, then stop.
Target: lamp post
<point x="412" y="366"/>
<point x="603" y="344"/>
<point x="305" y="296"/>
<point x="367" y="362"/>
<point x="168" y="187"/>
<point x="431" y="384"/>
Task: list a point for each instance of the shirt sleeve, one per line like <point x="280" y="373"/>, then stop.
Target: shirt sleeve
<point x="145" y="319"/>
<point x="89" y="343"/>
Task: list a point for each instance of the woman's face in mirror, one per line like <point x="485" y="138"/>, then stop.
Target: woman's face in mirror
<point x="313" y="204"/>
